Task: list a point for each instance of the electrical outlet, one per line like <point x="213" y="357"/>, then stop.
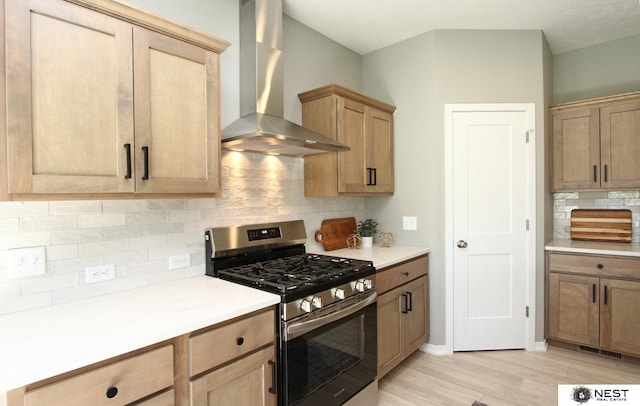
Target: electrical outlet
<point x="25" y="262"/>
<point x="409" y="223"/>
<point x="100" y="273"/>
<point x="179" y="261"/>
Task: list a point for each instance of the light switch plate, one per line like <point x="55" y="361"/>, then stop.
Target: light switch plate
<point x="409" y="223"/>
<point x="26" y="262"/>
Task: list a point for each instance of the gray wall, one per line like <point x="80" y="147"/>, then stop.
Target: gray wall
<point x="419" y="76"/>
<point x="595" y="71"/>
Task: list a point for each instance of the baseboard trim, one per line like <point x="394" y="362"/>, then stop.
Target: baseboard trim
<point x="434" y="349"/>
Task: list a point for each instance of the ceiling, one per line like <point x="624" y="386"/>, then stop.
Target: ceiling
<point x="367" y="25"/>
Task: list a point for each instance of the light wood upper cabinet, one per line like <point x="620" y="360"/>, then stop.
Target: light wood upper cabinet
<point x="596" y="144"/>
<point x="176" y="115"/>
<point x="85" y="92"/>
<point x="362" y="123"/>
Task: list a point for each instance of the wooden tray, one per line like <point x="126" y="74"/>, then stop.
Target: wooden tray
<point x="333" y="233"/>
<point x="601" y="225"/>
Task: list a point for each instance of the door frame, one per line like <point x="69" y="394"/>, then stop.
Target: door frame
<point x="529" y="109"/>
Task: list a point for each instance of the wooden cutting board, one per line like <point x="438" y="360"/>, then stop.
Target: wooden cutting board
<point x="601" y="225"/>
<point x="333" y="233"/>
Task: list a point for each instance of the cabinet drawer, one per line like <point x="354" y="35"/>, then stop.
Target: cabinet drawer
<point x="164" y="399"/>
<point x="134" y="378"/>
<point x="230" y="341"/>
<point x="595" y="265"/>
<point x="397" y="275"/>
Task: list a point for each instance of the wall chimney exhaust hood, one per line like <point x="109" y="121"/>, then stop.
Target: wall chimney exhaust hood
<point x="261" y="126"/>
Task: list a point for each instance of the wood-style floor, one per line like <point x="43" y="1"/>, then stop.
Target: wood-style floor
<point x="498" y="378"/>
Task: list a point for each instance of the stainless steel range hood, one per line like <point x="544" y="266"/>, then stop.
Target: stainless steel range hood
<point x="261" y="126"/>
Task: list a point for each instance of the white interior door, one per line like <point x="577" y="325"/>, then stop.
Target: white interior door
<point x="490" y="229"/>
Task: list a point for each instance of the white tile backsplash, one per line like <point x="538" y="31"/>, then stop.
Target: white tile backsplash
<point x="138" y="235"/>
<point x="563" y="203"/>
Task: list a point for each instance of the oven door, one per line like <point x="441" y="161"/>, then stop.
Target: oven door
<point x="327" y="360"/>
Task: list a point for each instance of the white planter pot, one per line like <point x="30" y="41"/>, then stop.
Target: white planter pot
<point x="367" y="242"/>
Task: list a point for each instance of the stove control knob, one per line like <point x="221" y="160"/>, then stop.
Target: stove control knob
<point x="363" y="284"/>
<point x="339" y="293"/>
<point x="305" y="305"/>
<point x="316" y="302"/>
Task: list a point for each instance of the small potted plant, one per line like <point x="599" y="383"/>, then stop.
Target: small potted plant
<point x="367" y="229"/>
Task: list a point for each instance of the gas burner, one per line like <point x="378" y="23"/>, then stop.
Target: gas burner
<point x="292" y="273"/>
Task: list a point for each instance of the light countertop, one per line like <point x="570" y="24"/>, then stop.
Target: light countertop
<point x="594" y="247"/>
<point x="382" y="257"/>
<point x="42" y="343"/>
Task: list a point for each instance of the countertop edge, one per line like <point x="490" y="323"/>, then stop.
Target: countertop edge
<point x="382" y="257"/>
<point x="594" y="247"/>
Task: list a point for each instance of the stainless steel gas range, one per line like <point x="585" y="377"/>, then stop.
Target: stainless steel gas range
<point x="327" y="315"/>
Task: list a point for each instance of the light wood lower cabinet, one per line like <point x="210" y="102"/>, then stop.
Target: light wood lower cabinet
<point x="230" y="363"/>
<point x="238" y="362"/>
<point x="249" y="381"/>
<point x="121" y="382"/>
<point x="403" y="312"/>
<point x="594" y="301"/>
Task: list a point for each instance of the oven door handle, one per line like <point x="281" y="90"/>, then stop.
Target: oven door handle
<point x="298" y="329"/>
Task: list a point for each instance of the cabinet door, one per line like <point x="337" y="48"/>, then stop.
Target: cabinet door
<point x="416" y="320"/>
<point x="176" y="116"/>
<point x="573" y="308"/>
<point x="620" y="315"/>
<point x="620" y="139"/>
<point x="379" y="151"/>
<point x="351" y="131"/>
<point x="245" y="382"/>
<point x="576" y="149"/>
<point x="69" y="99"/>
<point x="390" y="337"/>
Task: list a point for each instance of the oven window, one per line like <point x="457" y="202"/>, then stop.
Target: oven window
<point x="344" y="350"/>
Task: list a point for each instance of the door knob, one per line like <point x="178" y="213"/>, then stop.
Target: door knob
<point x="462" y="244"/>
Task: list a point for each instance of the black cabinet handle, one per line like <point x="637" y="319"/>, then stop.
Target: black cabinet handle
<point x="375" y="176"/>
<point x="145" y="152"/>
<point x="112" y="392"/>
<point x="369" y="176"/>
<point x="127" y="151"/>
<point x="410" y="307"/>
<point x="406" y="304"/>
<point x="595" y="173"/>
<point x="605" y="294"/>
<point x="405" y="273"/>
<point x="239" y="340"/>
<point x="593" y="293"/>
<point x="272" y="389"/>
<point x="600" y="266"/>
<point x="606" y="173"/>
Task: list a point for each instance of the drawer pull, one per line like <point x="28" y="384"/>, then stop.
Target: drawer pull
<point x="112" y="392"/>
<point x="145" y="153"/>
<point x="272" y="389"/>
<point x="127" y="148"/>
<point x="600" y="266"/>
<point x="239" y="340"/>
<point x="405" y="273"/>
<point x="405" y="298"/>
